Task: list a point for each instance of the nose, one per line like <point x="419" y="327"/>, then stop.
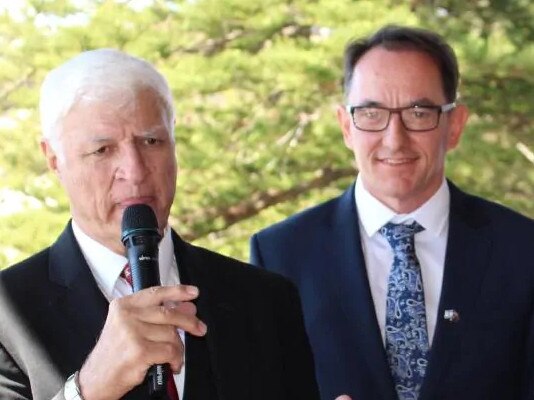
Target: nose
<point x="395" y="135"/>
<point x="131" y="164"/>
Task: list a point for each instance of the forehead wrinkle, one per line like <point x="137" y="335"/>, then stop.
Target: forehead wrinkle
<point x="421" y="101"/>
<point x="101" y="139"/>
<point x="370" y="103"/>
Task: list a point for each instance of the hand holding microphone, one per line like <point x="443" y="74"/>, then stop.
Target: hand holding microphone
<point x="141" y="238"/>
<point x="140" y="332"/>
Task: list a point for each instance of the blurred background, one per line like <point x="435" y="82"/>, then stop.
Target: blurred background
<point x="256" y="85"/>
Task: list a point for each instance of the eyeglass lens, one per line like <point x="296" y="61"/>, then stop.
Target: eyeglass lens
<point x="413" y="118"/>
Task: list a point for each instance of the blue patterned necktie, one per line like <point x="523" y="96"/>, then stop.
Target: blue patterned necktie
<point x="407" y="345"/>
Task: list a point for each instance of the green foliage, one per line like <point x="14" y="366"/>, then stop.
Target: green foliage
<point x="256" y="86"/>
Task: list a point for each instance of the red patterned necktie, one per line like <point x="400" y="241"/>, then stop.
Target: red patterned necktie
<point x="172" y="391"/>
<point x="127" y="274"/>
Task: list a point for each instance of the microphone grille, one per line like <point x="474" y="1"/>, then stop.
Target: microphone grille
<point x="138" y="216"/>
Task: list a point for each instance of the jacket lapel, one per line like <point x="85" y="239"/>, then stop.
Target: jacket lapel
<point x="350" y="282"/>
<point x="78" y="301"/>
<point x="466" y="260"/>
<point x="230" y="369"/>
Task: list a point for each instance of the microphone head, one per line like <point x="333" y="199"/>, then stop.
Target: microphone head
<point x="136" y="218"/>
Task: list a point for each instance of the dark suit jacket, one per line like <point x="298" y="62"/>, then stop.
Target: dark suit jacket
<point x="256" y="348"/>
<point x="488" y="279"/>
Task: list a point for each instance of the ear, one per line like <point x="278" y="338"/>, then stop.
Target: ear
<point x="50" y="155"/>
<point x="458" y="119"/>
<point x="344" y="120"/>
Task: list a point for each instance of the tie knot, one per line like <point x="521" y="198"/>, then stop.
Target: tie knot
<point x="400" y="235"/>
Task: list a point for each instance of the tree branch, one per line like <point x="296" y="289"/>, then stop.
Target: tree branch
<point x="257" y="202"/>
<point x="213" y="46"/>
<point x="13" y="86"/>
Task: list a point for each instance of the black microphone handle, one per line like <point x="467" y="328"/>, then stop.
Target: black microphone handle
<point x="142" y="253"/>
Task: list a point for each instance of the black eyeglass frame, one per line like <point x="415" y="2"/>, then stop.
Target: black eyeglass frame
<point x="440" y="108"/>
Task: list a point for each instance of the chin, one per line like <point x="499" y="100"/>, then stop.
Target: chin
<point x="395" y="186"/>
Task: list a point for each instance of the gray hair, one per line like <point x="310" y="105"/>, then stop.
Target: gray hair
<point x="97" y="75"/>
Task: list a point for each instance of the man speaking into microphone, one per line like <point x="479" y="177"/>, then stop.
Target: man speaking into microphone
<point x="71" y="326"/>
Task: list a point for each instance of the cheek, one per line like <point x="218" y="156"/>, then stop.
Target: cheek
<point x="441" y="146"/>
<point x="72" y="178"/>
<point x="89" y="184"/>
<point x="166" y="164"/>
<point x="164" y="174"/>
<point x="434" y="152"/>
<point x="364" y="147"/>
<point x="171" y="180"/>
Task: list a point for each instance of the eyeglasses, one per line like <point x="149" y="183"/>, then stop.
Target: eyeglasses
<point x="414" y="118"/>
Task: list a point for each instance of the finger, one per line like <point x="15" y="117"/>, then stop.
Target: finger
<point x="128" y="307"/>
<point x="176" y="362"/>
<point x="159" y="294"/>
<point x="185" y="307"/>
<point x="147" y="353"/>
<point x="155" y="333"/>
<point x="163" y="315"/>
<point x="164" y="353"/>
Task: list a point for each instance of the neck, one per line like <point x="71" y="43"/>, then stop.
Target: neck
<point x="406" y="204"/>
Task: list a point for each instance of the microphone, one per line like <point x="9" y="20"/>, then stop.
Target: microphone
<point x="141" y="237"/>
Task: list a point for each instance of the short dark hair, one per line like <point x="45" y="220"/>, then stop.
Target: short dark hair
<point x="393" y="37"/>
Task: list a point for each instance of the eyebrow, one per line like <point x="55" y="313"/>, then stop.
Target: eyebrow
<point x="423" y="101"/>
<point x="145" y="133"/>
<point x="370" y="103"/>
<point x="154" y="130"/>
<point x="100" y="139"/>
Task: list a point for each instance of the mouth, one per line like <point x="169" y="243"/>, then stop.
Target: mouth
<point x="136" y="200"/>
<point x="400" y="161"/>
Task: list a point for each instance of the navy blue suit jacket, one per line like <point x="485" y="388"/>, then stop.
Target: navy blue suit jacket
<point x="488" y="279"/>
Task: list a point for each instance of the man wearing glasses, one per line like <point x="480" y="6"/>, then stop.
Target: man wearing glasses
<point x="411" y="288"/>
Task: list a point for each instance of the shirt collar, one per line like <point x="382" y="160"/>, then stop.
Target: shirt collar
<point x="432" y="215"/>
<point x="106" y="265"/>
<point x="167" y="265"/>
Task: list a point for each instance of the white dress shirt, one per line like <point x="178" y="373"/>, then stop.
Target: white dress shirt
<point x="430" y="246"/>
<point x="106" y="267"/>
